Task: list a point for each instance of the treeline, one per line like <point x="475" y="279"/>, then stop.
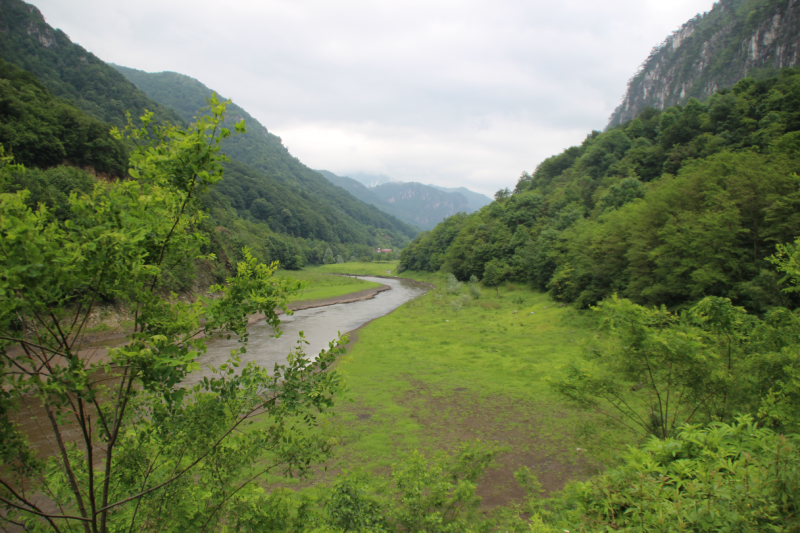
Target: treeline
<point x="668" y="208"/>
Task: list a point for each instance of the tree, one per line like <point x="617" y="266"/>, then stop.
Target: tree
<point x="502" y="194"/>
<point x="145" y="436"/>
<point x="494" y="274"/>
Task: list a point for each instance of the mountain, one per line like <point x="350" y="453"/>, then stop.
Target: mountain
<point x="266" y="182"/>
<point x="736" y="39"/>
<point x="476" y="200"/>
<point x="368" y="179"/>
<point x="60" y="107"/>
<point x="423" y="206"/>
<point x="365" y="194"/>
<point x="68" y="70"/>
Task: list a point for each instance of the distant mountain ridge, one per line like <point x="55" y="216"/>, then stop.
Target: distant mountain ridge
<point x="415" y="203"/>
<point x="736" y="39"/>
<point x="298" y="200"/>
<point x="476" y="200"/>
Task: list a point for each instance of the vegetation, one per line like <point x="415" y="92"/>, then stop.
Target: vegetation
<point x="40" y="130"/>
<point x="667" y="209"/>
<point x="320" y="284"/>
<point x="143" y="438"/>
<point x="680" y="229"/>
<point x="69" y="71"/>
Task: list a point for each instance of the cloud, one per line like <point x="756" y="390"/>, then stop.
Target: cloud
<point x="467" y="92"/>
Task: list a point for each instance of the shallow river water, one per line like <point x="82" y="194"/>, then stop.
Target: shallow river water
<point x="320" y="325"/>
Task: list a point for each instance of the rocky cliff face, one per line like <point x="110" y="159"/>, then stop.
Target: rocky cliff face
<point x="736" y="39"/>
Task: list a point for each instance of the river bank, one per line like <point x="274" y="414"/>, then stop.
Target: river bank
<point x="109" y="325"/>
<point x="427" y="377"/>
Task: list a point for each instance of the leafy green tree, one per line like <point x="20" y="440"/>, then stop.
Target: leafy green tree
<point x="439" y="496"/>
<point x="474" y="289"/>
<point x="726" y="477"/>
<point x="151" y="451"/>
<point x="494" y="274"/>
<point x="659" y="370"/>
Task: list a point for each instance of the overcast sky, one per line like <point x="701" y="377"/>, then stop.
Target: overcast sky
<point x="468" y="92"/>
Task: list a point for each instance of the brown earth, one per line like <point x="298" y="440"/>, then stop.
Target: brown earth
<point x="516" y="429"/>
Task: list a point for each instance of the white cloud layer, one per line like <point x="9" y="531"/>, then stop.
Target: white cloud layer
<point x="467" y="92"/>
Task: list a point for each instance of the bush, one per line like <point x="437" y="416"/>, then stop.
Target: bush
<point x="453" y="285"/>
<point x="727" y="477"/>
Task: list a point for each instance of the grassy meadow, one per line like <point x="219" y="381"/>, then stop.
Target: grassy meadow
<point x="323" y="284"/>
<point x="362" y="269"/>
<point x="428" y="378"/>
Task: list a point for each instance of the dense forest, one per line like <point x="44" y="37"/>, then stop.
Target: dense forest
<point x="59" y="103"/>
<point x="666" y="209"/>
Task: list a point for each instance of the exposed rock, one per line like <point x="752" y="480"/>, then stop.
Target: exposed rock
<point x="45" y="36"/>
<point x="714" y="51"/>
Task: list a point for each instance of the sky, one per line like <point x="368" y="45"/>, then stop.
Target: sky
<point x="455" y="93"/>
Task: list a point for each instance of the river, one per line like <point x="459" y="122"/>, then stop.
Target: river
<point x="320" y="325"/>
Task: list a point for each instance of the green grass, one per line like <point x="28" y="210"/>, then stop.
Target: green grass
<point x="361" y="269"/>
<point x="323" y="284"/>
<point x="425" y="378"/>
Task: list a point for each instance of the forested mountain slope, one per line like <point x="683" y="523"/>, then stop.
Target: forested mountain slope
<point x="68" y="70"/>
<point x="736" y="39"/>
<point x="421" y="205"/>
<point x="664" y="209"/>
<point x="424" y="205"/>
<point x="475" y="200"/>
<point x="266" y="182"/>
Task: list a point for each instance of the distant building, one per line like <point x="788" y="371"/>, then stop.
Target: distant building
<point x="383" y="250"/>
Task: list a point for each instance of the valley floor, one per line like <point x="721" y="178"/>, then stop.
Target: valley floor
<point x="427" y="378"/>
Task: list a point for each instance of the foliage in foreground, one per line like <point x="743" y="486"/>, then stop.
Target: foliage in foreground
<point x="137" y="446"/>
<point x="727" y="477"/>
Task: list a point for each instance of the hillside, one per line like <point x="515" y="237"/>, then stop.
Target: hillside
<point x="68" y="70"/>
<point x="420" y="205"/>
<point x="424" y="205"/>
<point x="664" y="209"/>
<point x="475" y="200"/>
<point x="736" y="39"/>
<point x="267" y="183"/>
